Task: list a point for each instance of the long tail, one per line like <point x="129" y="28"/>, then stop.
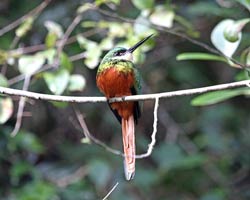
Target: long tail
<point x="128" y="135"/>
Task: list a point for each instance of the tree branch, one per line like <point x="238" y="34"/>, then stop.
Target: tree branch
<point x="77" y="99"/>
<point x="33" y="12"/>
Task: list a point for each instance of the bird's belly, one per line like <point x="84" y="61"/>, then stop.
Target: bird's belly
<point x="114" y="83"/>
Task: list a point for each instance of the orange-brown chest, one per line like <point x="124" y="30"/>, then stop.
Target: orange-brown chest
<point x="114" y="83"/>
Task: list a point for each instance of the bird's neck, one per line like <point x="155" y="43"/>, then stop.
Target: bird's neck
<point x="119" y="65"/>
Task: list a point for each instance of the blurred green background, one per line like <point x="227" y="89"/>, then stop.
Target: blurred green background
<point x="202" y="152"/>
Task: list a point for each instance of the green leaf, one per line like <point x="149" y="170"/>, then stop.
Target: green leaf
<point x="141" y="5"/>
<point x="76" y="83"/>
<point x="3" y="56"/>
<point x="30" y="64"/>
<point x="232" y="33"/>
<point x="48" y="54"/>
<point x="93" y="51"/>
<point x="55" y="31"/>
<point x="6" y="109"/>
<point x="59" y="104"/>
<point x="18" y="170"/>
<point x="199" y="56"/>
<point x="142" y="24"/>
<point x="100" y="2"/>
<point x="57" y="81"/>
<point x="37" y="190"/>
<point x="220" y="42"/>
<point x="100" y="173"/>
<point x="24" y="27"/>
<point x="107" y="43"/>
<point x="65" y="62"/>
<point x="27" y="141"/>
<point x="54" y="27"/>
<point x="218" y="96"/>
<point x="162" y="17"/>
<point x="50" y="40"/>
<point x="3" y="81"/>
<point x="171" y="156"/>
<point x="245" y="3"/>
<point x="84" y="7"/>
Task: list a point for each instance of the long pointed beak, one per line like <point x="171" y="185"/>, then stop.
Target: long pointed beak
<point x="131" y="49"/>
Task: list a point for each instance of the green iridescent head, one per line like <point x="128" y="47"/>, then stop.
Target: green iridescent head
<point x="121" y="53"/>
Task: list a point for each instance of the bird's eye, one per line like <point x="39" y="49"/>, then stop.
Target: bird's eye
<point x="119" y="53"/>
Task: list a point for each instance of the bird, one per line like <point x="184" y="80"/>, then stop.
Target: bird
<point x="117" y="76"/>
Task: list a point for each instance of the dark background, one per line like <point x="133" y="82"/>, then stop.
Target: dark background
<point x="201" y="152"/>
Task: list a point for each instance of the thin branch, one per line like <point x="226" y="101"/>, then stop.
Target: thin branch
<point x="170" y="31"/>
<point x="90" y="137"/>
<point x="21" y="108"/>
<point x="45" y="68"/>
<point x="33" y="12"/>
<point x="65" y="37"/>
<point x="153" y="135"/>
<point x="112" y="189"/>
<point x="41" y="47"/>
<point x="77" y="99"/>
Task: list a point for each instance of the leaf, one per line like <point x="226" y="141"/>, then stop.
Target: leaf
<point x="100" y="2"/>
<point x="29" y="142"/>
<point x="218" y="96"/>
<point x="141" y="5"/>
<point x="54" y="27"/>
<point x="50" y="40"/>
<point x="245" y="3"/>
<point x="84" y="7"/>
<point x="55" y="31"/>
<point x="93" y="51"/>
<point x="6" y="109"/>
<point x="170" y="156"/>
<point x="28" y="65"/>
<point x="220" y="42"/>
<point x="57" y="81"/>
<point x="24" y="27"/>
<point x="60" y="104"/>
<point x="232" y="33"/>
<point x="76" y="82"/>
<point x="99" y="173"/>
<point x="19" y="169"/>
<point x="142" y="24"/>
<point x="65" y="62"/>
<point x="199" y="56"/>
<point x="107" y="43"/>
<point x="3" y="81"/>
<point x="3" y="56"/>
<point x="48" y="54"/>
<point x="162" y="17"/>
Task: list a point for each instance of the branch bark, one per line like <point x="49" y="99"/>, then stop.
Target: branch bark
<point x="77" y="99"/>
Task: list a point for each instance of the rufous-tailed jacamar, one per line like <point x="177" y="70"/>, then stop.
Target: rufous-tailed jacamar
<point x="116" y="77"/>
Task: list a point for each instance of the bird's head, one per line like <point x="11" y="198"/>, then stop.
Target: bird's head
<point x="121" y="53"/>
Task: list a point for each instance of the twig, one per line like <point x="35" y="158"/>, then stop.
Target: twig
<point x="112" y="189"/>
<point x="170" y="31"/>
<point x="91" y="137"/>
<point x="77" y="99"/>
<point x="35" y="11"/>
<point x="45" y="68"/>
<point x="65" y="37"/>
<point x="153" y="135"/>
<point x="21" y="108"/>
<point x="77" y="56"/>
<point x="40" y="47"/>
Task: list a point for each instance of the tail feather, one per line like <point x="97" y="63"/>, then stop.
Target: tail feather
<point x="128" y="130"/>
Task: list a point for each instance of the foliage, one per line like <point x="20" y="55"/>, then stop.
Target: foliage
<point x="201" y="152"/>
